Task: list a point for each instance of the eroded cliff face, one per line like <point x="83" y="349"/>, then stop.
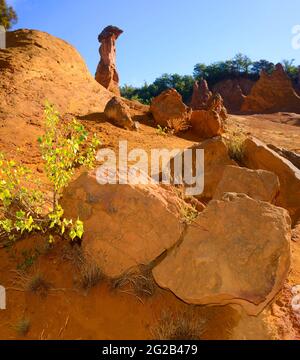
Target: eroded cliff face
<point x="106" y="73"/>
<point x="272" y="93"/>
<point x="234" y="92"/>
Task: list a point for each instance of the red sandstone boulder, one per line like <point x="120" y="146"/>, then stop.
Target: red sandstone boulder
<point x="125" y="225"/>
<point x="106" y="73"/>
<point x="210" y="122"/>
<point x="236" y="252"/>
<point x="169" y="111"/>
<point x="215" y="160"/>
<point x="206" y="124"/>
<point x="272" y="93"/>
<point x="258" y="184"/>
<point x="117" y="111"/>
<point x="258" y="156"/>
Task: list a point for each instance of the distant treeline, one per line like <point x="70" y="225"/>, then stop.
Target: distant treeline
<point x="239" y="66"/>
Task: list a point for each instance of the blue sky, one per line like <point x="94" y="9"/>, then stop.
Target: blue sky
<point x="168" y="35"/>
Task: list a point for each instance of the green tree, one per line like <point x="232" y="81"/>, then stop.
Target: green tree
<point x="260" y="65"/>
<point x="8" y="16"/>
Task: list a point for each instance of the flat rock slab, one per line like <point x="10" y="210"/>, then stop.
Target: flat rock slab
<point x="236" y="252"/>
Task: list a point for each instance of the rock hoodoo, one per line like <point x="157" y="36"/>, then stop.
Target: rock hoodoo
<point x="272" y="93"/>
<point x="106" y="73"/>
<point x="201" y="95"/>
<point x="236" y="252"/>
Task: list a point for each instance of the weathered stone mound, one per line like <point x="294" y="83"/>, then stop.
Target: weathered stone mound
<point x="236" y="252"/>
<point x="37" y="67"/>
<point x="169" y="111"/>
<point x="258" y="156"/>
<point x="234" y="92"/>
<point x="106" y="73"/>
<point x="125" y="225"/>
<point x="272" y="93"/>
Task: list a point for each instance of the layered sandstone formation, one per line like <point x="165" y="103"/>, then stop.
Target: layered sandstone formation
<point x="201" y="95"/>
<point x="272" y="93"/>
<point x="106" y="73"/>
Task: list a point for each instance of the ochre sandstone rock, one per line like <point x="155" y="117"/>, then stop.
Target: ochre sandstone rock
<point x="272" y="93"/>
<point x="258" y="184"/>
<point x="125" y="225"/>
<point x="234" y="92"/>
<point x="36" y="67"/>
<point x="236" y="252"/>
<point x="258" y="156"/>
<point x="201" y="95"/>
<point x="117" y="111"/>
<point x="106" y="73"/>
<point x="206" y="124"/>
<point x="210" y="122"/>
<point x="169" y="111"/>
<point x="215" y="160"/>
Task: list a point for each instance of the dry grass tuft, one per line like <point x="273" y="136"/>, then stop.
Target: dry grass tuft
<point x="90" y="274"/>
<point x="138" y="282"/>
<point x="235" y="144"/>
<point x="187" y="325"/>
<point x="35" y="283"/>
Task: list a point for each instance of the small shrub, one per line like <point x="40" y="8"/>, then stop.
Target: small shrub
<point x="235" y="147"/>
<point x="179" y="326"/>
<point x="161" y="131"/>
<point x="24" y="207"/>
<point x="189" y="214"/>
<point x="22" y="327"/>
<point x="90" y="275"/>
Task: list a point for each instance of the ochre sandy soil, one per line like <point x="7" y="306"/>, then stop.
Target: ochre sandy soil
<point x="68" y="312"/>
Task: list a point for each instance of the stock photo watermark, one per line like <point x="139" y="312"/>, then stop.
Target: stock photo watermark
<point x="163" y="166"/>
<point x="2" y="37"/>
<point x="296" y="37"/>
<point x="2" y="298"/>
